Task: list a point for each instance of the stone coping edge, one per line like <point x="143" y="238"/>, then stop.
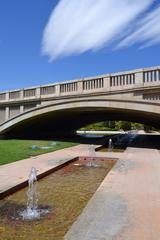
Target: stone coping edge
<point x="23" y="184"/>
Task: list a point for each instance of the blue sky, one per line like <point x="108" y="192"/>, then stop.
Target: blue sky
<point x="45" y="41"/>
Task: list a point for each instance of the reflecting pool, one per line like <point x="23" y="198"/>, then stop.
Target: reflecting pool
<point x="64" y="193"/>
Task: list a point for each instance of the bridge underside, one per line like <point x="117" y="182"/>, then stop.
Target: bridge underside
<point x="65" y="122"/>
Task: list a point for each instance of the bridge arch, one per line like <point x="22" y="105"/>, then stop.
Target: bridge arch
<point x="66" y="117"/>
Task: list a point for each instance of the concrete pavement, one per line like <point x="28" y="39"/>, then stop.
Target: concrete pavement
<point x="126" y="206"/>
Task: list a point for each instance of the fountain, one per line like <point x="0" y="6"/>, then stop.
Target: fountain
<point x="92" y="154"/>
<point x="91" y="163"/>
<point x="31" y="212"/>
<point x="67" y="189"/>
<point x="110" y="145"/>
<point x="92" y="151"/>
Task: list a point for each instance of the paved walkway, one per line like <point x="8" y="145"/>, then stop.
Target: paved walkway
<point x="125" y="207"/>
<point x="16" y="173"/>
<point x="127" y="203"/>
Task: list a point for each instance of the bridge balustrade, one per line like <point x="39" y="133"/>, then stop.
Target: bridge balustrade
<point x="151" y="76"/>
<point x="154" y="97"/>
<point x="113" y="81"/>
<point x="29" y="93"/>
<point x="93" y="84"/>
<point x="2" y="96"/>
<point x="47" y="90"/>
<point x="68" y="87"/>
<point x="14" y="95"/>
<point x="120" y="80"/>
<point x="18" y="101"/>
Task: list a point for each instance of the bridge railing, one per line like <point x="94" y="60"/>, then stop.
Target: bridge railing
<point x="152" y="76"/>
<point x="104" y="83"/>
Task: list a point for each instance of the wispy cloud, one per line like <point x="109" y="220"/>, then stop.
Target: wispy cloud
<point x="147" y="32"/>
<point x="75" y="26"/>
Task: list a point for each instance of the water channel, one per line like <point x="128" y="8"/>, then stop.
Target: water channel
<point x="64" y="193"/>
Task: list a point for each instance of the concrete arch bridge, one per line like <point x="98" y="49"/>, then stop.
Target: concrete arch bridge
<point x="60" y="109"/>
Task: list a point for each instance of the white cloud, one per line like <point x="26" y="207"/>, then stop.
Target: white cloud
<point x="147" y="31"/>
<point x="77" y="26"/>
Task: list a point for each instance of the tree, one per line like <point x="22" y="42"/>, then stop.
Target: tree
<point x="137" y="126"/>
<point x="123" y="125"/>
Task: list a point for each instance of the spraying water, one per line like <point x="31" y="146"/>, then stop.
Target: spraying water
<point x="32" y="201"/>
<point x="31" y="212"/>
<point x="92" y="154"/>
<point x="110" y="145"/>
<point x="91" y="151"/>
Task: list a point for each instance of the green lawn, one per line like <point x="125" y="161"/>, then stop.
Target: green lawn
<point x="14" y="150"/>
